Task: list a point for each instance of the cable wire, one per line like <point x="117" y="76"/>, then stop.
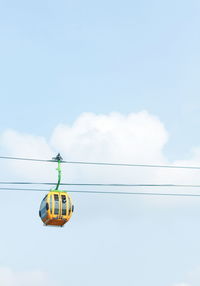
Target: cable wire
<point x="27" y="159"/>
<point x="109" y="192"/>
<point x="104" y="163"/>
<point x="103" y="185"/>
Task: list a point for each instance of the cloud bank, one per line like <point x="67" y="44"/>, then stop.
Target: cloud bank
<point x="138" y="137"/>
<point x="134" y="138"/>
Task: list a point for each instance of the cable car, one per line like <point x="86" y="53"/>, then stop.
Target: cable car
<point x="56" y="208"/>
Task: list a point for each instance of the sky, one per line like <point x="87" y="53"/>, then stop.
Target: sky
<point x="100" y="81"/>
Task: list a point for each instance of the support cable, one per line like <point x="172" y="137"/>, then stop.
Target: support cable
<point x="103" y="185"/>
<point x="109" y="192"/>
<point x="104" y="163"/>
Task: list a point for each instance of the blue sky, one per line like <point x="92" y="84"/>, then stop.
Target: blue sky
<point x="62" y="59"/>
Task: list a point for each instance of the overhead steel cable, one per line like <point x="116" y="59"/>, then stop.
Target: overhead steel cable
<point x="103" y="185"/>
<point x="132" y="165"/>
<point x="104" y="163"/>
<point x="137" y="193"/>
<point x="109" y="192"/>
<point x="27" y="159"/>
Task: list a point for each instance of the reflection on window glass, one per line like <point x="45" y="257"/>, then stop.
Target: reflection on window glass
<point x="51" y="204"/>
<point x="64" y="205"/>
<point x="56" y="204"/>
<point x="43" y="208"/>
<point x="69" y="206"/>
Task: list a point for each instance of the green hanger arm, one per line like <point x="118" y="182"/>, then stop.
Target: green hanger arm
<point x="59" y="175"/>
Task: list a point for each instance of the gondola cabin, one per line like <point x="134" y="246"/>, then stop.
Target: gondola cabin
<point x="56" y="208"/>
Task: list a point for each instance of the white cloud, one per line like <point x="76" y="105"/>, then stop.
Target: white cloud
<point x="9" y="277"/>
<point x="26" y="145"/>
<point x="137" y="138"/>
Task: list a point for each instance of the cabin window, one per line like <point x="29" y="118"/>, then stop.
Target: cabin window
<point x="64" y="205"/>
<point x="43" y="204"/>
<point x="56" y="204"/>
<point x="51" y="203"/>
<point x="43" y="208"/>
<point x="69" y="206"/>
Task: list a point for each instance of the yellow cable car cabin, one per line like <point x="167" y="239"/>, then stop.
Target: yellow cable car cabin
<point x="56" y="208"/>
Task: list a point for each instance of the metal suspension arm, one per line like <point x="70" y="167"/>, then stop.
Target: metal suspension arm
<point x="59" y="175"/>
<point x="58" y="158"/>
